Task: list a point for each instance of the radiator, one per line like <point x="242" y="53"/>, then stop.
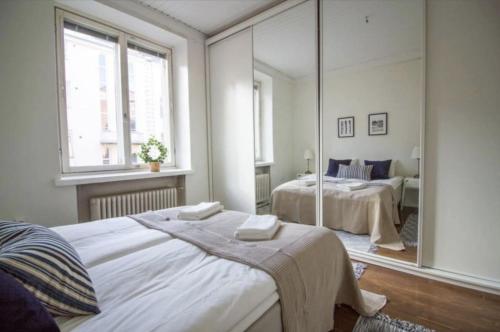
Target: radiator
<point x="130" y="203"/>
<point x="262" y="187"/>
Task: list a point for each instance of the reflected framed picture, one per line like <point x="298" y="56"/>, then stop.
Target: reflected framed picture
<point x="377" y="124"/>
<point x="345" y="127"/>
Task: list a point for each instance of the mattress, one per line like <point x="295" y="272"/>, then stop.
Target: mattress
<point x="146" y="280"/>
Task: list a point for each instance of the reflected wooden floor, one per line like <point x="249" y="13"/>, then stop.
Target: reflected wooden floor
<point x="434" y="304"/>
<point x="410" y="253"/>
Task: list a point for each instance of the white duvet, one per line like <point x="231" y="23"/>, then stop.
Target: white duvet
<point x="147" y="281"/>
<point x="395" y="182"/>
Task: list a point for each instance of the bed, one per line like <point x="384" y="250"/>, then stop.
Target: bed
<point x="147" y="280"/>
<point x="372" y="210"/>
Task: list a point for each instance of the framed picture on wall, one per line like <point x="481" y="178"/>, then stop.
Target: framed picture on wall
<point x="345" y="127"/>
<point x="377" y="124"/>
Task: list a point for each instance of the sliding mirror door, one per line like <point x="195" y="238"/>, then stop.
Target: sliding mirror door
<point x="285" y="113"/>
<point x="372" y="75"/>
<point x="231" y="115"/>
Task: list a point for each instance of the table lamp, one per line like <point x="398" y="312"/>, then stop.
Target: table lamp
<point x="308" y="155"/>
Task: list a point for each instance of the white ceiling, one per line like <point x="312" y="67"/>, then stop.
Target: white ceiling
<point x="286" y="41"/>
<point x="393" y="33"/>
<point x="209" y="16"/>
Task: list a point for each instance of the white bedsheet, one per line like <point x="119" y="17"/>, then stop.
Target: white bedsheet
<point x="147" y="281"/>
<point x="396" y="182"/>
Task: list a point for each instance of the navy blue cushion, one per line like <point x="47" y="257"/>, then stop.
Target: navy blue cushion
<point x="47" y="266"/>
<point x="333" y="166"/>
<point x="380" y="168"/>
<point x="20" y="310"/>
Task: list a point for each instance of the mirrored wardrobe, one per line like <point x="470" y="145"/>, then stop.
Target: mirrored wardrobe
<point x="372" y="93"/>
<point x="285" y="90"/>
<point x="270" y="120"/>
<point x="264" y="150"/>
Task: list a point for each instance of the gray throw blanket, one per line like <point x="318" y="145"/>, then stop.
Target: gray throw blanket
<point x="309" y="264"/>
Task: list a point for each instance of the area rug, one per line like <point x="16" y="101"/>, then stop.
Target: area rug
<point x="358" y="268"/>
<point x="383" y="323"/>
<point x="409" y="232"/>
<point x="356" y="242"/>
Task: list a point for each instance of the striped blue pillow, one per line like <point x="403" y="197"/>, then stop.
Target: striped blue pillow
<point x="48" y="266"/>
<point x="362" y="172"/>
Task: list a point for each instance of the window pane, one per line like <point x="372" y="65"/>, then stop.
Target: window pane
<point x="92" y="104"/>
<point x="149" y="100"/>
<point x="257" y="122"/>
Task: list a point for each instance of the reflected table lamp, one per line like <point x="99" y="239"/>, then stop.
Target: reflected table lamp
<point x="415" y="154"/>
<point x="308" y="155"/>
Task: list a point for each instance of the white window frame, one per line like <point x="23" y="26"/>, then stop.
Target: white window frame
<point x="123" y="126"/>
<point x="258" y="87"/>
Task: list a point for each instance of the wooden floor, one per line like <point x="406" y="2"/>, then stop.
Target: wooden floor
<point x="407" y="255"/>
<point x="434" y="304"/>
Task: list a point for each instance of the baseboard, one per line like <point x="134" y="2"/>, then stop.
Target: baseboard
<point x="479" y="284"/>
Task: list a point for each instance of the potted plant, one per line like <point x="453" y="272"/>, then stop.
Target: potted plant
<point x="154" y="153"/>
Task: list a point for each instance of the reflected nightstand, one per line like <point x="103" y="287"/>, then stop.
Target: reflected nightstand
<point x="409" y="183"/>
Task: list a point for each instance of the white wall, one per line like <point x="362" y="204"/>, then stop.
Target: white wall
<point x="282" y="169"/>
<point x="462" y="158"/>
<point x="28" y="102"/>
<point x="357" y="91"/>
<point x="304" y="122"/>
<point x="29" y="158"/>
<point x="197" y="183"/>
<point x="265" y="102"/>
<point x="394" y="88"/>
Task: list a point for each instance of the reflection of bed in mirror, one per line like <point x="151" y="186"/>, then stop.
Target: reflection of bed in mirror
<point x="372" y="209"/>
<point x="372" y="103"/>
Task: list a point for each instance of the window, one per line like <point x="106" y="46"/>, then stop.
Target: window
<point x="148" y="97"/>
<point x="114" y="95"/>
<point x="257" y="114"/>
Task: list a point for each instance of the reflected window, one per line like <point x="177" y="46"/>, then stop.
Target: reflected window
<point x="257" y="113"/>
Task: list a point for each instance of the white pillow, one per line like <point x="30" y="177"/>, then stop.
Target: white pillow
<point x="392" y="168"/>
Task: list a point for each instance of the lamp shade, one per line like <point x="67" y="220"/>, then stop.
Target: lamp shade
<point x="415" y="153"/>
<point x="308" y="154"/>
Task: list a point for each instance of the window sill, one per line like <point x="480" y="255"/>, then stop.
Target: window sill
<point x="87" y="178"/>
<point x="264" y="163"/>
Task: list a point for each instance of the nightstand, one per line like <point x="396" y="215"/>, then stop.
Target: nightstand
<point x="409" y="183"/>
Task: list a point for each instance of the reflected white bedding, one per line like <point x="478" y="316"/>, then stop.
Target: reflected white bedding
<point x="395" y="182"/>
<point x="140" y="273"/>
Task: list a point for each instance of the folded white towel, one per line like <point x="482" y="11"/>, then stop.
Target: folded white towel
<point x="351" y="186"/>
<point x="308" y="182"/>
<point x="200" y="211"/>
<point x="258" y="228"/>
